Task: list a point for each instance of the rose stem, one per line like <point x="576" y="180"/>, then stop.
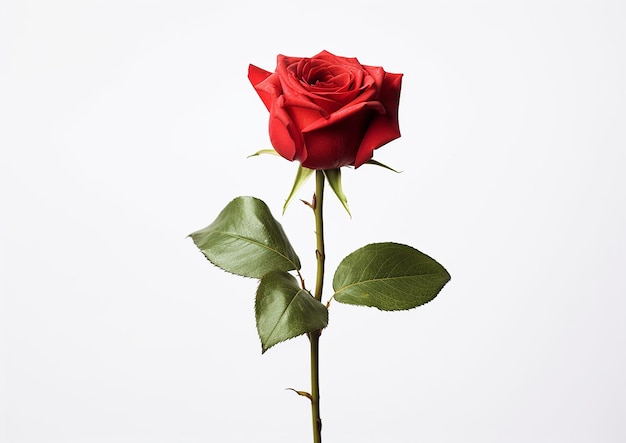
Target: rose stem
<point x="314" y="336"/>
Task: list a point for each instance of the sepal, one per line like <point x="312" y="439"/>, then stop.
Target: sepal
<point x="264" y="151"/>
<point x="382" y="165"/>
<point x="334" y="180"/>
<point x="302" y="176"/>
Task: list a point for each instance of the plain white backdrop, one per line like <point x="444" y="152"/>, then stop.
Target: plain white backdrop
<point x="125" y="125"/>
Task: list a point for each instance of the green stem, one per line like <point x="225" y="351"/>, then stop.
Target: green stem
<point x="315" y="387"/>
<point x="319" y="283"/>
<point x="319" y="232"/>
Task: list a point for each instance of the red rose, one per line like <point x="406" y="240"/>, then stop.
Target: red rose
<point x="328" y="111"/>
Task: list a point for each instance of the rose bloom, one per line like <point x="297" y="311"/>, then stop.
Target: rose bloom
<point x="328" y="111"/>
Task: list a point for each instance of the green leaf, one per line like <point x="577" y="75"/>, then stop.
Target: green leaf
<point x="301" y="177"/>
<point x="284" y="310"/>
<point x="334" y="179"/>
<point x="388" y="276"/>
<point x="246" y="240"/>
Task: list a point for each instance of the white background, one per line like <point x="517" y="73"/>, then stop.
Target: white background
<point x="125" y="125"/>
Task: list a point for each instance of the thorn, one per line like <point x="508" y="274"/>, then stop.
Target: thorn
<point x="310" y="205"/>
<point x="328" y="302"/>
<point x="301" y="280"/>
<point x="302" y="393"/>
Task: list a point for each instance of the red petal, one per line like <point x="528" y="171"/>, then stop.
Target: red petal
<point x="259" y="78"/>
<point x="384" y="127"/>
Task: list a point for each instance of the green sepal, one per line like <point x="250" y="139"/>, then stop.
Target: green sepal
<point x="264" y="151"/>
<point x="302" y="176"/>
<point x="284" y="310"/>
<point x="388" y="276"/>
<point x="334" y="180"/>
<point x="382" y="165"/>
<point x="246" y="240"/>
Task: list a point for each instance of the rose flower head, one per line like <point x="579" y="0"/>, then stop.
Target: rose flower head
<point x="328" y="111"/>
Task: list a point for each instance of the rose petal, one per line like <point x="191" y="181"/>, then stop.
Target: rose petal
<point x="344" y="113"/>
<point x="282" y="133"/>
<point x="383" y="127"/>
<point x="333" y="143"/>
<point x="257" y="76"/>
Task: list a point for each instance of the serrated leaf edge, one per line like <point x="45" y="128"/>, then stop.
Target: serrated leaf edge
<point x="264" y="349"/>
<point x="255" y="242"/>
